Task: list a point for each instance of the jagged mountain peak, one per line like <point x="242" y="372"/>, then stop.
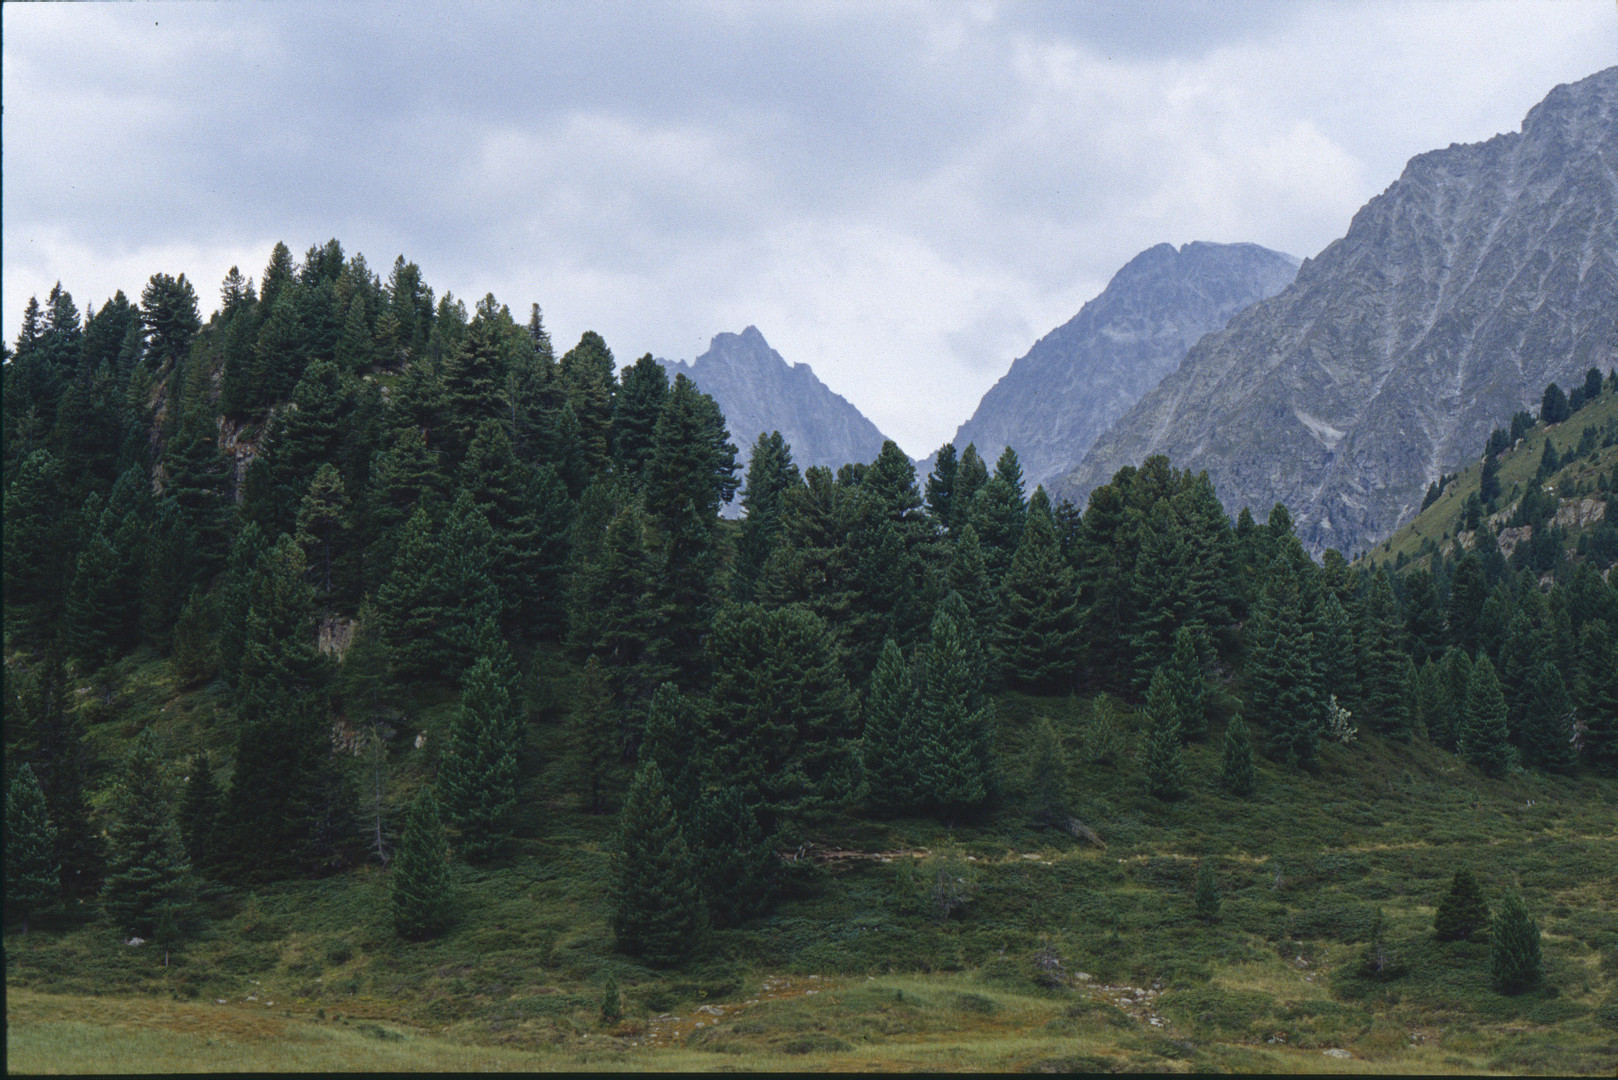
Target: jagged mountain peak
<point x="760" y="392"/>
<point x="1077" y="379"/>
<point x="1484" y="272"/>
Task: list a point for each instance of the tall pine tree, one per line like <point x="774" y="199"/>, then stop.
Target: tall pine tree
<point x="657" y="908"/>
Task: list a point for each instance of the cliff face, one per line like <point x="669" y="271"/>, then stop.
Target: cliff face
<point x="1484" y="272"/>
<point x="759" y="393"/>
<point x="1079" y="378"/>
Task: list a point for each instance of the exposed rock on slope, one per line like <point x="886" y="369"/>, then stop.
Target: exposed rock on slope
<point x="1484" y="272"/>
<point x="1080" y="377"/>
<point x="759" y="392"/>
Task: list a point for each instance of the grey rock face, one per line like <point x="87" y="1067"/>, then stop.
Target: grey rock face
<point x="1484" y="272"/>
<point x="759" y="393"/>
<point x="1079" y="378"/>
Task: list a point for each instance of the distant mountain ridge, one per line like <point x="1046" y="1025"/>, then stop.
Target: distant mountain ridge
<point x="1484" y="272"/>
<point x="759" y="392"/>
<point x="1079" y="378"/>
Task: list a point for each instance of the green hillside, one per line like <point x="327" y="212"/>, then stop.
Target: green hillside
<point x="1039" y="969"/>
<point x="1434" y="529"/>
<point x="383" y="691"/>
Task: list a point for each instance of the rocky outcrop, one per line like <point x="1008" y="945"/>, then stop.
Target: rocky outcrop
<point x="1483" y="273"/>
<point x="759" y="392"/>
<point x="1085" y="374"/>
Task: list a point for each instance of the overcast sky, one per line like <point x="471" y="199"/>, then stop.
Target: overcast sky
<point x="905" y="196"/>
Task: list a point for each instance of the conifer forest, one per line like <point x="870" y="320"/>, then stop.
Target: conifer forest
<point x="369" y="654"/>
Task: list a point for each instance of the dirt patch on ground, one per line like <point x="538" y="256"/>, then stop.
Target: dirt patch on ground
<point x="670" y="1029"/>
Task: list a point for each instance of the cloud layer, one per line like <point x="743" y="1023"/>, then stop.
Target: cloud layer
<point x="904" y="196"/>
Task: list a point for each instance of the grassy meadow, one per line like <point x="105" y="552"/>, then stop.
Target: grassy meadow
<point x="1067" y="955"/>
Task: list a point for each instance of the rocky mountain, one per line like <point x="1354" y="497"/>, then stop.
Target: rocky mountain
<point x="1483" y="273"/>
<point x="1079" y="378"/>
<point x="759" y="392"/>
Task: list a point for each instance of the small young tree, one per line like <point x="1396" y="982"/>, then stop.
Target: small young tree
<point x="612" y="1004"/>
<point x="1047" y="775"/>
<point x="1103" y="741"/>
<point x="420" y="893"/>
<point x="1236" y="773"/>
<point x="1515" y="962"/>
<point x="1462" y="913"/>
<point x="1378" y="962"/>
<point x="1206" y="897"/>
<point x="1188" y="684"/>
<point x="33" y="876"/>
<point x="1161" y="749"/>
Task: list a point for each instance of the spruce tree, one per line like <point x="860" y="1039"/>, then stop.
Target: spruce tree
<point x="770" y="473"/>
<point x="657" y="908"/>
<point x="676" y="738"/>
<point x="1047" y="775"/>
<point x="1598" y="704"/>
<point x="955" y="733"/>
<point x="940" y="489"/>
<point x="1454" y="673"/>
<point x="1424" y="618"/>
<point x="274" y="810"/>
<point x="1283" y="691"/>
<point x="586" y="375"/>
<point x="33" y="875"/>
<point x="1236" y="771"/>
<point x="1160" y="745"/>
<point x="1188" y="685"/>
<point x="323" y="529"/>
<point x="890" y="744"/>
<point x="735" y="858"/>
<point x="63" y="761"/>
<point x="524" y="554"/>
<point x="1038" y="636"/>
<point x="968" y="577"/>
<point x="38" y="556"/>
<point x="783" y="714"/>
<point x="1161" y="599"/>
<point x="642" y="392"/>
<point x="598" y="742"/>
<point x="997" y="513"/>
<point x="147" y="867"/>
<point x="1547" y="736"/>
<point x="235" y="599"/>
<point x="201" y="809"/>
<point x="420" y="895"/>
<point x="1515" y="960"/>
<point x="612" y="1005"/>
<point x="1463" y="913"/>
<point x="1382" y="700"/>
<point x="280" y="666"/>
<point x="468" y="581"/>
<point x="413" y="601"/>
<point x="478" y="773"/>
<point x="1483" y="739"/>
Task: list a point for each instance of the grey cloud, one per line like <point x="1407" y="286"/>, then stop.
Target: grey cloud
<point x="880" y="187"/>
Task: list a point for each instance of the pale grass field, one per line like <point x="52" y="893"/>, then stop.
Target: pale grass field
<point x="71" y="1034"/>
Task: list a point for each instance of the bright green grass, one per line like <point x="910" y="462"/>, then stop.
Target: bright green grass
<point x="1439" y="521"/>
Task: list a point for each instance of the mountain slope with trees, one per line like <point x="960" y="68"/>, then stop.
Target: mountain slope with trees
<point x="352" y="630"/>
<point x="1483" y="273"/>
